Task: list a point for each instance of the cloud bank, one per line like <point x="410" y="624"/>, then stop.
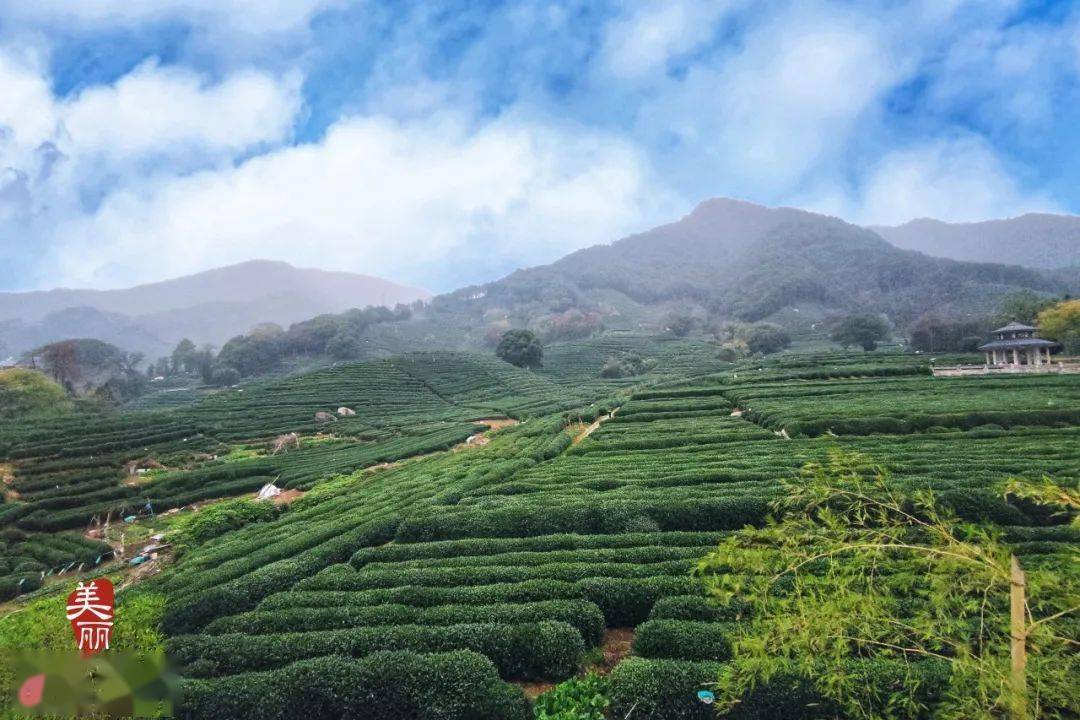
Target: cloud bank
<point x="444" y="145"/>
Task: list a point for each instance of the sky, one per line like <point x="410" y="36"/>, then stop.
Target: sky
<point x="442" y="144"/>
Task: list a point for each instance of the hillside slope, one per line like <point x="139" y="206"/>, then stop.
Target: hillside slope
<point x="211" y="306"/>
<point x="1035" y="240"/>
<point x="737" y="259"/>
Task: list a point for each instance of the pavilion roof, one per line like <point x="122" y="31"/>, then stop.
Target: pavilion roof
<point x="1014" y="327"/>
<point x="1017" y="343"/>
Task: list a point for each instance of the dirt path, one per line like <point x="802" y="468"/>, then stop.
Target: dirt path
<point x="482" y="438"/>
<point x="596" y="424"/>
<point x="616" y="646"/>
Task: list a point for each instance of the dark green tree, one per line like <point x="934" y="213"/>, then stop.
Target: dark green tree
<point x="223" y="375"/>
<point x="183" y="356"/>
<point x="679" y="324"/>
<point x="865" y="331"/>
<point x="767" y="338"/>
<point x="1023" y="306"/>
<point x="521" y="348"/>
<point x="204" y="362"/>
<point x="344" y="346"/>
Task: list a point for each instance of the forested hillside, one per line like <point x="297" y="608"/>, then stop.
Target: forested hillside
<point x="735" y="260"/>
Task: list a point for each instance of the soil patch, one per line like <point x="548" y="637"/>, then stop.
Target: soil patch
<point x="534" y="690"/>
<point x="615" y="646"/>
<point x="287" y="496"/>
<point x="481" y="438"/>
<point x="592" y="428"/>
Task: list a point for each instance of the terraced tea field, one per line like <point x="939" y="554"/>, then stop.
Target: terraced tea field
<point x="68" y="473"/>
<point x="431" y="588"/>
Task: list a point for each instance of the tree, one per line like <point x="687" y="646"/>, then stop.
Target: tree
<point x="1023" y="306"/>
<point x="863" y="330"/>
<point x="855" y="581"/>
<point x="1061" y="322"/>
<point x="344" y="346"/>
<point x="183" y="356"/>
<point x="203" y="362"/>
<point x="163" y="366"/>
<point x="61" y="359"/>
<point x="931" y="333"/>
<point x="521" y="348"/>
<point x="767" y="338"/>
<point x="223" y="375"/>
<point x="679" y="324"/>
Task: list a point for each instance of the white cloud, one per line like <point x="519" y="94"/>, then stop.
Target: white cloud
<point x="252" y="16"/>
<point x="956" y="180"/>
<point x="151" y="111"/>
<point x="27" y="112"/>
<point x="787" y="98"/>
<point x="157" y="109"/>
<point x="374" y="196"/>
<point x="1007" y="75"/>
<point x="655" y="32"/>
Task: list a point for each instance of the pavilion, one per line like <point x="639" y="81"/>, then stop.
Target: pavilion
<point x="1015" y="345"/>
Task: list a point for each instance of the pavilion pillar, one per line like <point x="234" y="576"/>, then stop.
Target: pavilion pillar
<point x="987" y="354"/>
<point x="1016" y="357"/>
<point x="1038" y="357"/>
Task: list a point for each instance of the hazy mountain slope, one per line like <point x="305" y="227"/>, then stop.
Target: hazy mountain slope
<point x="1035" y="240"/>
<point x="737" y="259"/>
<point x="207" y="307"/>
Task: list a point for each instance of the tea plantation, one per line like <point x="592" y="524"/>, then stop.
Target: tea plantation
<point x="440" y="586"/>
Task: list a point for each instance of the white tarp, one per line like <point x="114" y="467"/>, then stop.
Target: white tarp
<point x="268" y="491"/>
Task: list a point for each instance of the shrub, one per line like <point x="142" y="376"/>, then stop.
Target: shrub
<point x="584" y="616"/>
<point x="528" y="591"/>
<point x="683" y="639"/>
<point x="580" y="698"/>
<point x="527" y="651"/>
<point x="627" y="602"/>
<point x="244" y="593"/>
<point x="218" y="519"/>
<point x="979" y="505"/>
<point x="667" y="690"/>
<point x="697" y="607"/>
<point x="722" y="513"/>
<point x="384" y="686"/>
<point x="661" y="689"/>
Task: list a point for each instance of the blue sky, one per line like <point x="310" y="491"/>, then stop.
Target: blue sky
<point x="447" y="143"/>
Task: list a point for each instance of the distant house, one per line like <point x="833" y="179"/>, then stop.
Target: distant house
<point x="1014" y="345"/>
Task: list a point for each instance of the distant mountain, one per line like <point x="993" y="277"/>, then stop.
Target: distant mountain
<point x="208" y="307"/>
<point x="1034" y="240"/>
<point x="733" y="259"/>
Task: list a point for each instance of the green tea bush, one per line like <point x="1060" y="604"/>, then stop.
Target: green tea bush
<point x="673" y="514"/>
<point x="526" y="651"/>
<point x="584" y="616"/>
<point x="417" y="596"/>
<point x="683" y="640"/>
<point x="381" y="686"/>
<point x="627" y="602"/>
<point x="697" y="607"/>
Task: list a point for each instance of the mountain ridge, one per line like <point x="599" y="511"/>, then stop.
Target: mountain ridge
<point x="1005" y="240"/>
<point x="208" y="307"/>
